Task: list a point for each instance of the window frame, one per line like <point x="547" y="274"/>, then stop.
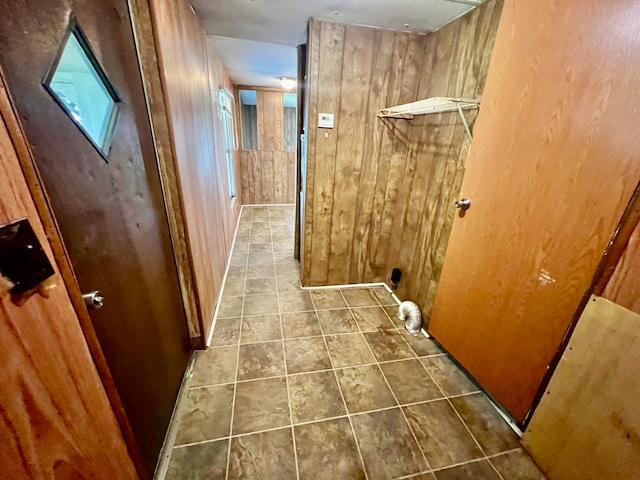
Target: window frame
<point x="242" y="117"/>
<point x="225" y="101"/>
<point x="74" y="29"/>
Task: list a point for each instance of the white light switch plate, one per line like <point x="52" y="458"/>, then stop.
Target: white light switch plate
<point x="325" y="120"/>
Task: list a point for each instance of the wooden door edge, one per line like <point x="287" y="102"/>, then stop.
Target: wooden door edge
<point x="158" y="111"/>
<point x="607" y="265"/>
<point x="9" y="115"/>
<point x="300" y="127"/>
<point x="618" y="243"/>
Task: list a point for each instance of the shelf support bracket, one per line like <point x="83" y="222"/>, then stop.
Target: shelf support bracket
<point x="464" y="121"/>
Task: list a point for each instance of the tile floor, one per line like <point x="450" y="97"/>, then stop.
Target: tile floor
<point x="326" y="384"/>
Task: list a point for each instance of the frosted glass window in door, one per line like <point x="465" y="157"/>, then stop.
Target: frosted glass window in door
<point x="81" y="87"/>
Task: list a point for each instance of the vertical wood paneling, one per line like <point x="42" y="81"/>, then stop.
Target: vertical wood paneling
<point x="55" y="417"/>
<point x="270" y="112"/>
<point x="460" y="70"/>
<point x="191" y="74"/>
<point x="308" y="160"/>
<point x="278" y="120"/>
<point x="379" y="192"/>
<point x="267" y="176"/>
<point x="261" y="111"/>
<point x="388" y="179"/>
<point x="624" y="286"/>
<point x="268" y="173"/>
<point x="360" y="257"/>
<point x="355" y="118"/>
<point x="329" y="82"/>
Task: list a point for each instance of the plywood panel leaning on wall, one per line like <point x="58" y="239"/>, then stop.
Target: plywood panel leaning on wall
<point x="587" y="425"/>
<point x="55" y="418"/>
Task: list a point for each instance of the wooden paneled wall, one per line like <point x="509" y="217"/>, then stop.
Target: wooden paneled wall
<point x="380" y="193"/>
<point x="55" y="417"/>
<point x="192" y="73"/>
<point x="268" y="173"/>
<point x="268" y="176"/>
<point x="270" y="119"/>
<point x="624" y="286"/>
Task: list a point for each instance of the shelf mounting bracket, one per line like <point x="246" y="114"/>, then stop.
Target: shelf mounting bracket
<point x="464" y="122"/>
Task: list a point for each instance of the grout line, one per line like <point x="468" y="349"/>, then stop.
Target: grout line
<point x="460" y="464"/>
<point x="387" y="381"/>
<point x="297" y="374"/>
<point x="224" y="279"/>
<point x="284" y="356"/>
<point x="337" y="417"/>
<point x="301" y="311"/>
<point x="249" y="380"/>
<point x="306" y="336"/>
<point x="335" y="375"/>
<point x="511" y="450"/>
<point x="235" y="384"/>
<point x="465" y="426"/>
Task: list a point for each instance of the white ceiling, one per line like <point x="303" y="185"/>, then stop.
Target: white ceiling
<point x="256" y="63"/>
<point x="257" y="39"/>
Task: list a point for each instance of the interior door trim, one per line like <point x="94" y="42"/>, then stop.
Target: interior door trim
<point x="154" y="92"/>
<point x="9" y="114"/>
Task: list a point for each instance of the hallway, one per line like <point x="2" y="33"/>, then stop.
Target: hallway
<point x="326" y="384"/>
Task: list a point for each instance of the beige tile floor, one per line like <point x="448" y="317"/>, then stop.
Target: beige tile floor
<point x="326" y="384"/>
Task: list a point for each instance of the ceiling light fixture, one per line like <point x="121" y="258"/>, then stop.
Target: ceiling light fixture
<point x="287" y="82"/>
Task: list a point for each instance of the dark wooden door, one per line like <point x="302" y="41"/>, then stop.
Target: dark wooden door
<point x="554" y="162"/>
<point x="56" y="421"/>
<point x="111" y="215"/>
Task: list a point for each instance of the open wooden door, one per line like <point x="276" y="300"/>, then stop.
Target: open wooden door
<point x="107" y="199"/>
<point x="555" y="160"/>
<point x="55" y="417"/>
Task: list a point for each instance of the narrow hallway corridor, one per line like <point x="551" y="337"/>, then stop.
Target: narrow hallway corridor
<point x="326" y="383"/>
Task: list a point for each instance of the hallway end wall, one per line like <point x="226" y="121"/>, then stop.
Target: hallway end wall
<point x="268" y="172"/>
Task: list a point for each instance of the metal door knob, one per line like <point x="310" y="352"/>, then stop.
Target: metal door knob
<point x="463" y="204"/>
<point x="93" y="300"/>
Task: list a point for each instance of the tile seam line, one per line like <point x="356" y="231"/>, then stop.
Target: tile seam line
<point x="467" y="429"/>
<point x="235" y="384"/>
<point x="344" y="403"/>
<point x="337" y="417"/>
<point x="284" y="357"/>
<point x="428" y="464"/>
<point x="249" y="380"/>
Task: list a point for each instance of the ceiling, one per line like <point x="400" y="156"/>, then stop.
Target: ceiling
<point x="257" y="39"/>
